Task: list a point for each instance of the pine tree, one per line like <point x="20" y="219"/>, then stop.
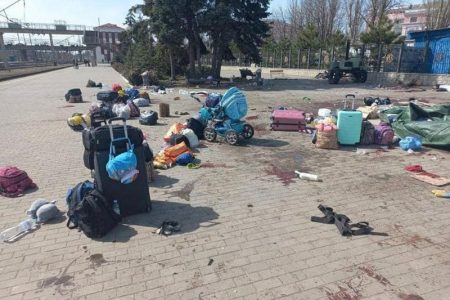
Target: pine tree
<point x="380" y="33"/>
<point x="239" y="21"/>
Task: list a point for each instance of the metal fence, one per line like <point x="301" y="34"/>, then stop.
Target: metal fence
<point x="419" y="58"/>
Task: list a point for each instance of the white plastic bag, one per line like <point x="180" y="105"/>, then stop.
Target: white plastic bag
<point x="191" y="136"/>
<point x="141" y="102"/>
<point x="121" y="111"/>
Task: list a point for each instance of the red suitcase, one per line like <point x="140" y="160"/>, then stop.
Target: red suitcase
<point x="288" y="120"/>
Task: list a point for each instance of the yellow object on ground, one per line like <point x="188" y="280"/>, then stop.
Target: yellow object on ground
<point x="441" y="193"/>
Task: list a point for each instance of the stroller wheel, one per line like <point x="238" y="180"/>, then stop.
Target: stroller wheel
<point x="231" y="137"/>
<point x="248" y="131"/>
<point x="210" y="134"/>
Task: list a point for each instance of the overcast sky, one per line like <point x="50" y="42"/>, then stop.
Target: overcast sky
<point x="83" y="12"/>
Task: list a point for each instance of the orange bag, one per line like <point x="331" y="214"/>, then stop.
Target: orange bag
<point x="173" y="152"/>
<point x="174" y="129"/>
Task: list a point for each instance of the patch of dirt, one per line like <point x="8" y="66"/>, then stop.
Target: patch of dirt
<point x="213" y="165"/>
<point x="60" y="282"/>
<point x="404" y="296"/>
<point x="342" y="294"/>
<point x="185" y="192"/>
<point x="65" y="106"/>
<point x="397" y="227"/>
<point x="370" y="271"/>
<point x="260" y="128"/>
<point x="284" y="175"/>
<point x="384" y="176"/>
<point x="252" y="117"/>
<point x="348" y="292"/>
<point x="416" y="239"/>
<point x="97" y="260"/>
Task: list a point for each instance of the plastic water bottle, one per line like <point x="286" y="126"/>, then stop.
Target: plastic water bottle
<point x="116" y="207"/>
<point x="15" y="231"/>
<point x="307" y="176"/>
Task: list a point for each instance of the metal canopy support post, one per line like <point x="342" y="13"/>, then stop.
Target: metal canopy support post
<point x="55" y="58"/>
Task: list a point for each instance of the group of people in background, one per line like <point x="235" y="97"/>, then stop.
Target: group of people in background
<point x="87" y="63"/>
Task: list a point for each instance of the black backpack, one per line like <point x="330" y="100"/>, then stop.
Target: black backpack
<point x="94" y="215"/>
<point x="196" y="126"/>
<point x="367" y="133"/>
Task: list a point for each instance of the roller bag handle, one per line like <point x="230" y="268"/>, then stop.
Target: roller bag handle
<point x="353" y="101"/>
<point x="111" y="133"/>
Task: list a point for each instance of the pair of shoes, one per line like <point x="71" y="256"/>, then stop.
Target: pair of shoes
<point x="168" y="227"/>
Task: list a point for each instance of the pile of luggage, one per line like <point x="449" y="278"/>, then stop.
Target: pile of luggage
<point x="119" y="159"/>
<point x="346" y="127"/>
<point x="179" y="141"/>
<point x="118" y="102"/>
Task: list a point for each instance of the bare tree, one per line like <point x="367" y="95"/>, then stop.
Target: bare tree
<point x="438" y="13"/>
<point x="354" y="17"/>
<point x="377" y="10"/>
<point x="322" y="14"/>
<point x="280" y="26"/>
<point x="295" y="18"/>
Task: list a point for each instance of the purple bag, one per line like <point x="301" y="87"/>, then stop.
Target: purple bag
<point x="384" y="134"/>
<point x="212" y="100"/>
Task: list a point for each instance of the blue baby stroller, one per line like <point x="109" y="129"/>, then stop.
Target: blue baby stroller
<point x="224" y="119"/>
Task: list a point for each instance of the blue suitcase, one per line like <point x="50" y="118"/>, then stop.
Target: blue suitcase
<point x="349" y="123"/>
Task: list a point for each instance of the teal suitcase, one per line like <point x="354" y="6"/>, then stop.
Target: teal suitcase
<point x="349" y="123"/>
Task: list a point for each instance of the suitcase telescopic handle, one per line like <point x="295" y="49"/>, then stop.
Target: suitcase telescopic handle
<point x="125" y="131"/>
<point x="117" y="119"/>
<point x="353" y="100"/>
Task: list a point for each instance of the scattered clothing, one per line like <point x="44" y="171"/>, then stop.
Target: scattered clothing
<point x="427" y="177"/>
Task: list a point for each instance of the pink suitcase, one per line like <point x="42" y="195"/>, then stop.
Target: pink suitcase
<point x="288" y="120"/>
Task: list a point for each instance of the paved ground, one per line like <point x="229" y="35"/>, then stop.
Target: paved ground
<point x="246" y="230"/>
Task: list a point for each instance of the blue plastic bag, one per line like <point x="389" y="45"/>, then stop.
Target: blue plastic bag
<point x="411" y="142"/>
<point x="184" y="159"/>
<point x="132" y="93"/>
<point x="122" y="167"/>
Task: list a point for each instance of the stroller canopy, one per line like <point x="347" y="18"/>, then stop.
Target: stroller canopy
<point x="234" y="104"/>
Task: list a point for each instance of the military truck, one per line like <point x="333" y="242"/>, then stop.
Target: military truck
<point x="350" y="66"/>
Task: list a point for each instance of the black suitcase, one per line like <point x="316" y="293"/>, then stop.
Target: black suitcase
<point x="97" y="119"/>
<point x="107" y="96"/>
<point x="98" y="139"/>
<point x="133" y="198"/>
